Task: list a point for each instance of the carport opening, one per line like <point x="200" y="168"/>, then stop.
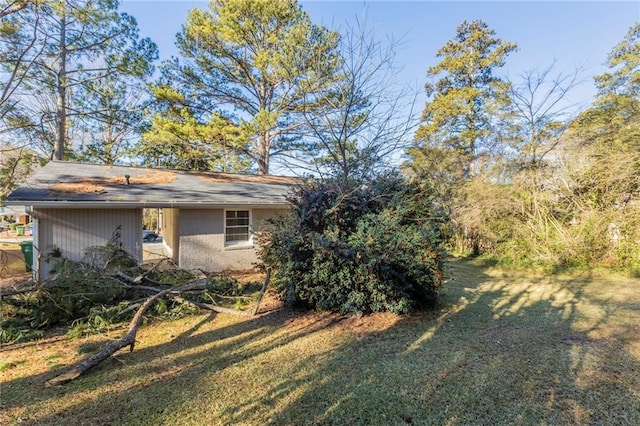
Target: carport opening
<point x="153" y="244"/>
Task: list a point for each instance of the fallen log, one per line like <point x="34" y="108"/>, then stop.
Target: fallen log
<point x="109" y="349"/>
<point x="129" y="339"/>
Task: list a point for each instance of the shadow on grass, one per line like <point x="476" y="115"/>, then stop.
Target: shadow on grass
<point x="503" y="349"/>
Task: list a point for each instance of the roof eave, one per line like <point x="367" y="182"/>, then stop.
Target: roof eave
<point x="34" y="204"/>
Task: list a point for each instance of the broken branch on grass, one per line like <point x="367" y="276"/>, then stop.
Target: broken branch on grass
<point x="214" y="308"/>
<point x="129" y="338"/>
<point x="262" y="291"/>
<point x="120" y="276"/>
<point x="12" y="291"/>
<point x="110" y="348"/>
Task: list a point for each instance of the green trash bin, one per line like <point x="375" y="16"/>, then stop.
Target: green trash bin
<point x="27" y="252"/>
<point x="20" y="230"/>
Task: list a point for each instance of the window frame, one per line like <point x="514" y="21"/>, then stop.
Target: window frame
<point x="238" y="243"/>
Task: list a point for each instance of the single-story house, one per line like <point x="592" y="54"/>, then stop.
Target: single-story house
<point x="209" y="219"/>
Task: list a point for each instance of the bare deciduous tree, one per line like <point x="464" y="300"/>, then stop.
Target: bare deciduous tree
<point x="366" y="119"/>
<point x="21" y="44"/>
<point x="541" y="111"/>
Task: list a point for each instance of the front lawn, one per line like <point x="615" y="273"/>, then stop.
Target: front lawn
<point x="505" y="348"/>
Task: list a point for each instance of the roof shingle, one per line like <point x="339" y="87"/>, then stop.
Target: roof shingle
<point x="65" y="184"/>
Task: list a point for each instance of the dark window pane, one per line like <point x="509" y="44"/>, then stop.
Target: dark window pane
<point x="238" y="231"/>
<point x="237" y="222"/>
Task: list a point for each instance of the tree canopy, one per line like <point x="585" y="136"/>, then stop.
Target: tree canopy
<point x="465" y="94"/>
<point x="552" y="189"/>
<point x="74" y="49"/>
<point x="259" y="64"/>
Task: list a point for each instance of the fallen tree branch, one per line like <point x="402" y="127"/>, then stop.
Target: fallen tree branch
<point x="12" y="291"/>
<point x="136" y="281"/>
<point x="262" y="291"/>
<point x="110" y="348"/>
<point x="129" y="339"/>
<point x="209" y="307"/>
<point x="201" y="285"/>
<point x="150" y="270"/>
<point x="135" y="286"/>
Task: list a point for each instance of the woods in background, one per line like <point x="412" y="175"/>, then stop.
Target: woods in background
<point x="523" y="180"/>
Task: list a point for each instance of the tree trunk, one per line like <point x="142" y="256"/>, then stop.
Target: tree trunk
<point x="263" y="154"/>
<point x="61" y="100"/>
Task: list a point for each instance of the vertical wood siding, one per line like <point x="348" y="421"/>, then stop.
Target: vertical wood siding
<point x="74" y="230"/>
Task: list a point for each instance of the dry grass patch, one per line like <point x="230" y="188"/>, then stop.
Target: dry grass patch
<point x="505" y="348"/>
<point x="12" y="263"/>
<point x="228" y="178"/>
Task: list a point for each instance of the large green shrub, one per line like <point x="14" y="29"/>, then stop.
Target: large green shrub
<point x="351" y="248"/>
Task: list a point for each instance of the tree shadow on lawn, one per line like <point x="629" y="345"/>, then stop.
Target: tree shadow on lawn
<point x="120" y="389"/>
<point x="503" y="349"/>
<point x="506" y="351"/>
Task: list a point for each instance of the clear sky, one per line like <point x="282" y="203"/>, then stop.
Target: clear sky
<point x="572" y="33"/>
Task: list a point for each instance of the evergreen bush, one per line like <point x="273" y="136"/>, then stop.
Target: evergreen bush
<point x="350" y="248"/>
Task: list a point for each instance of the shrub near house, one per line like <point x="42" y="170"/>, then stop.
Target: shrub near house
<point x="359" y="248"/>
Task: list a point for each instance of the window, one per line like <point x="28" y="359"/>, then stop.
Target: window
<point x="237" y="227"/>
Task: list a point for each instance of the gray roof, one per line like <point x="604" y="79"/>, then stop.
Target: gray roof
<point x="64" y="184"/>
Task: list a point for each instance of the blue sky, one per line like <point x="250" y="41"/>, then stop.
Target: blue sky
<point x="573" y="33"/>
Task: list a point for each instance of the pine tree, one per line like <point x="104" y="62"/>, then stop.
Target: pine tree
<point x="82" y="42"/>
<point x="465" y="96"/>
<point x="259" y="63"/>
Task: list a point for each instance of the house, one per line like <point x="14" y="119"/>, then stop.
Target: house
<point x="209" y="219"/>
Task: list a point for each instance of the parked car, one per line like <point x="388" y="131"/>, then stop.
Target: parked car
<point x="149" y="236"/>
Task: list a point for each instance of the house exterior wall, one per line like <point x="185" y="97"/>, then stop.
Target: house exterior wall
<point x="171" y="232"/>
<point x="74" y="230"/>
<point x="202" y="243"/>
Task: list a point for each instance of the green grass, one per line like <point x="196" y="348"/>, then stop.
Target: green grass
<point x="5" y="365"/>
<point x="505" y="348"/>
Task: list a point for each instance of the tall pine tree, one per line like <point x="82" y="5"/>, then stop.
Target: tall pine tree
<point x="258" y="64"/>
<point x="465" y="96"/>
<point x="83" y="43"/>
<point x="460" y="124"/>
